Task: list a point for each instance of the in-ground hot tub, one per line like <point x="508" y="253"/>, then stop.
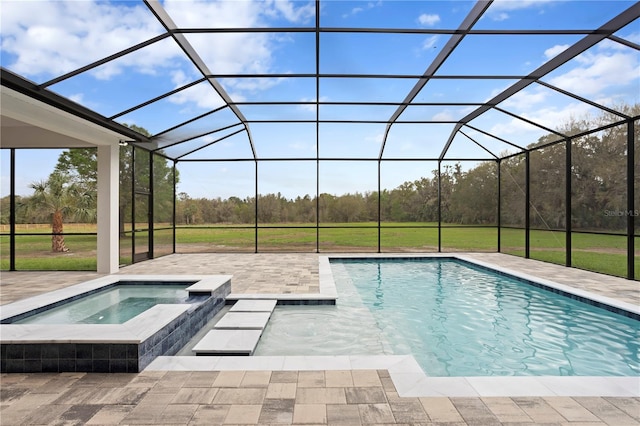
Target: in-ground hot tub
<point x="163" y="326"/>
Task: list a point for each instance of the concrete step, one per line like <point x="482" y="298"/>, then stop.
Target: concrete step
<point x="251" y="305"/>
<point x="228" y="342"/>
<point x="238" y="331"/>
<point x="243" y="321"/>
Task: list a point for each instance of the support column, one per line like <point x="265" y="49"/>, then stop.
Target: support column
<point x="12" y="211"/>
<point x="631" y="207"/>
<point x="527" y="202"/>
<point x="108" y="199"/>
<point x="379" y="205"/>
<point x="439" y="206"/>
<point x="499" y="205"/>
<point x="567" y="197"/>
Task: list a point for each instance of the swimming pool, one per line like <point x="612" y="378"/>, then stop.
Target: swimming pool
<point x="457" y="319"/>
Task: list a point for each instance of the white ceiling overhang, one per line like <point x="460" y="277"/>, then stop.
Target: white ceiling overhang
<point x="29" y="123"/>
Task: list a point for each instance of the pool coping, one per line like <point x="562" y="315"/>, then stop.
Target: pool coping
<point x="409" y="379"/>
<point x="407" y="376"/>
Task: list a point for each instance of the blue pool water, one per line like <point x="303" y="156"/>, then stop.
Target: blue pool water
<point x="114" y="305"/>
<point x="457" y="320"/>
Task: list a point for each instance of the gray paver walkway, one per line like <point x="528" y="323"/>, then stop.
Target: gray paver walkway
<point x="349" y="397"/>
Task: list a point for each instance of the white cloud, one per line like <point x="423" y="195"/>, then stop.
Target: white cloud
<point x="555" y="50"/>
<point x="526" y="99"/>
<point x="517" y="4"/>
<point x="359" y="9"/>
<point x="198" y="14"/>
<point x="499" y="8"/>
<point x="603" y="74"/>
<point x="376" y="139"/>
<point x="596" y="79"/>
<point x="599" y="72"/>
<point x="52" y="38"/>
<point x="238" y="53"/>
<point x="550" y="117"/>
<point x="239" y="14"/>
<point x="301" y="14"/>
<point x="519" y="128"/>
<point x="430" y="42"/>
<point x="607" y="44"/>
<point x="202" y="95"/>
<point x="208" y="139"/>
<point x="497" y="90"/>
<point x="354" y="11"/>
<point x="48" y="39"/>
<point x="78" y="97"/>
<point x="311" y="107"/>
<point x="443" y="116"/>
<point x="253" y="85"/>
<point x="225" y="53"/>
<point x="633" y="37"/>
<point x="428" y="19"/>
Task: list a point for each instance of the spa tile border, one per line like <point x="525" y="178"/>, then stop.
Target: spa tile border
<point x="108" y="348"/>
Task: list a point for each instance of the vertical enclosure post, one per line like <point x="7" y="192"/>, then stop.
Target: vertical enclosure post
<point x="12" y="212"/>
<point x="151" y="208"/>
<point x="567" y="200"/>
<point x="255" y="249"/>
<point x="317" y="8"/>
<point x="499" y="206"/>
<point x="631" y="210"/>
<point x="527" y="201"/>
<point x="439" y="206"/>
<point x="133" y="204"/>
<point x="317" y="198"/>
<point x="379" y="206"/>
<point x="175" y="184"/>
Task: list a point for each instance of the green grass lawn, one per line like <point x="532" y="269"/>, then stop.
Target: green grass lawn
<point x="601" y="253"/>
<point x="341" y="237"/>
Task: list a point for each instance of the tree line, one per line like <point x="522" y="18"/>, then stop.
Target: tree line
<point x="467" y="197"/>
<point x="597" y="172"/>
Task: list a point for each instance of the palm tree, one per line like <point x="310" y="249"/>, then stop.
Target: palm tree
<point x="58" y="198"/>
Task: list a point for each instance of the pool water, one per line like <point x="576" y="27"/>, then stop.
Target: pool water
<point x="114" y="305"/>
<point x="457" y="319"/>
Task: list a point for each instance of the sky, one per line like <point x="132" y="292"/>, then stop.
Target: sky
<point x="41" y="40"/>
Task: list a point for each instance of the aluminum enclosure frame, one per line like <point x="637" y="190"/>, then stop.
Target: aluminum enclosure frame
<point x="161" y="140"/>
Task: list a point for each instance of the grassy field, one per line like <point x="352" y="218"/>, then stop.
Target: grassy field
<point x="601" y="253"/>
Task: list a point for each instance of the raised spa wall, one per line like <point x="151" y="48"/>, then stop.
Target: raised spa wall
<point x="110" y="348"/>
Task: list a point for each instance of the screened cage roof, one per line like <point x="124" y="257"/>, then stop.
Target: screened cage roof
<point x="322" y="79"/>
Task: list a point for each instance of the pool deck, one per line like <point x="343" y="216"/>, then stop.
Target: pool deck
<point x="307" y="390"/>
